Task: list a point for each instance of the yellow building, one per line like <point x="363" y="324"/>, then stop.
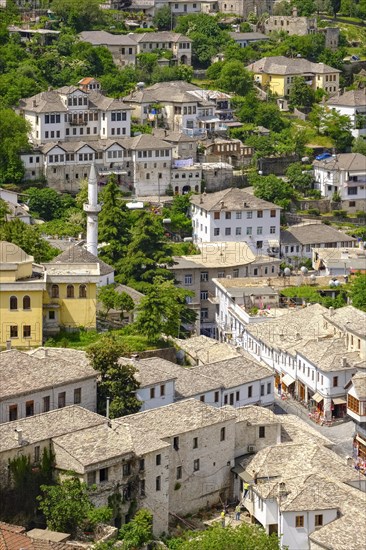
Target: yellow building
<point x="22" y="284"/>
<point x="38" y="300"/>
<point x="278" y="74"/>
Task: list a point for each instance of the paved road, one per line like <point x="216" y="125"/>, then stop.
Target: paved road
<point x="341" y="434"/>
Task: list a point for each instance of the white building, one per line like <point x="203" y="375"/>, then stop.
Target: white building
<point x="353" y="105"/>
<point x="344" y="174"/>
<point x="298" y="241"/>
<point x="237" y="216"/>
<point x="244" y="39"/>
<point x="15" y="208"/>
<point x="356" y="409"/>
<point x="336" y="262"/>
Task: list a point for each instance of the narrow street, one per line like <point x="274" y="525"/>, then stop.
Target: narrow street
<point x="340" y="434"/>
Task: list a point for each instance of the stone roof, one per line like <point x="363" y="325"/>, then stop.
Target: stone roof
<point x="103" y="38"/>
<point x="163" y="36"/>
<point x="296" y="430"/>
<point x="173" y="137"/>
<point x="10" y="253"/>
<point x="359" y="383"/>
<point x="45" y="426"/>
<point x="176" y="91"/>
<point x="313" y="233"/>
<point x="352" y="98"/>
<point x="255" y="415"/>
<point x="230" y="199"/>
<point x="145" y="141"/>
<point x="177" y="418"/>
<point x="329" y="353"/>
<point x="235" y="371"/>
<point x="346" y="532"/>
<point x="206" y="350"/>
<point x="348" y="318"/>
<point x="134" y="294"/>
<point x="250" y="36"/>
<point x="280" y="65"/>
<point x="22" y="374"/>
<point x="343" y="161"/>
<point x="73" y="356"/>
<point x="216" y="255"/>
<point x="77" y="254"/>
<point x="152" y="370"/>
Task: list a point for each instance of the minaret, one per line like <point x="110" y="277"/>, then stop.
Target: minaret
<point x="92" y="209"/>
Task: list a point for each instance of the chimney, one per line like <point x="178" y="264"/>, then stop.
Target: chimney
<point x="8" y="345"/>
<point x="294" y="11"/>
<point x="344" y="361"/>
<point x="34" y="103"/>
<point x="19" y="433"/>
<point x="222" y="205"/>
<point x="331" y="311"/>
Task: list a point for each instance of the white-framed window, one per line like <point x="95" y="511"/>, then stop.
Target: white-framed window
<point x="188" y="280"/>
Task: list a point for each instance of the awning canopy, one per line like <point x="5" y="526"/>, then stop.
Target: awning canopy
<point x="288" y="380"/>
<point x="339" y="401"/>
<point x="317" y="397"/>
<point x="246" y="477"/>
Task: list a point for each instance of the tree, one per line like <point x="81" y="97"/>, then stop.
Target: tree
<point x="235" y="78"/>
<point x="269" y="116"/>
<point x="66" y="506"/>
<point x="180" y="223"/>
<point x="111" y="299"/>
<point x="330" y="123"/>
<point x="123" y="303"/>
<point x="28" y="238"/>
<point x="4" y="210"/>
<point x="250" y="537"/>
<point x="13" y="141"/>
<point x="359" y="146"/>
<point x="358" y="291"/>
<point x="81" y="15"/>
<point x="117" y="381"/>
<point x="163" y="18"/>
<point x="138" y="532"/>
<point x="272" y="189"/>
<point x="336" y="4"/>
<point x="301" y="179"/>
<point x="45" y="203"/>
<point x="163" y="310"/>
<point x="301" y="94"/>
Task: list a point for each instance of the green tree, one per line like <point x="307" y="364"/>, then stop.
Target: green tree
<point x="45" y="203"/>
<point x="164" y="310"/>
<point x="13" y="141"/>
<point x="250" y="537"/>
<point x="301" y="94"/>
<point x="137" y="532"/>
<point x="178" y="214"/>
<point x="4" y="211"/>
<point x="269" y="116"/>
<point x="28" y="238"/>
<point x="123" y="303"/>
<point x="358" y="291"/>
<point x="301" y="179"/>
<point x="336" y="4"/>
<point x="359" y="146"/>
<point x="163" y="18"/>
<point x="81" y="15"/>
<point x="330" y="123"/>
<point x="272" y="189"/>
<point x="235" y="78"/>
<point x="67" y="506"/>
<point x="117" y="381"/>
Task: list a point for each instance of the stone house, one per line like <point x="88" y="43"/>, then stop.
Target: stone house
<point x="37" y="383"/>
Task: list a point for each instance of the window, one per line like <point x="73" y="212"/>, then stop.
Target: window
<point x="238" y="231"/>
<point x="103" y="475"/>
<point x="259" y="244"/>
<point x="204" y="314"/>
<point x="61" y="399"/>
<point x="29" y="408"/>
<point x="13" y="413"/>
<point x="162" y="390"/>
<point x="225" y="399"/>
<point x="152" y="393"/>
<point x="318" y="520"/>
<point x="259" y="213"/>
<point x="176" y="443"/>
<point x="188" y="280"/>
<point x="126" y="469"/>
<point x="227" y="230"/>
<point x="262" y="432"/>
<point x="142" y="488"/>
<point x="272" y="229"/>
<point x="142" y="465"/>
<point x="222" y="433"/>
<point x="46" y="404"/>
<point x="250" y="391"/>
<point x="91" y="478"/>
<point x="195" y="442"/>
<point x="52" y="315"/>
<point x="216" y="231"/>
<point x="37" y="453"/>
<point x="70" y="291"/>
<point x="352" y="191"/>
<point x="26" y="331"/>
<point x="273" y="213"/>
<point x="235" y="273"/>
<point x="259" y="230"/>
<point x="231" y="399"/>
<point x="217" y="396"/>
<point x="238" y="215"/>
<point x="269" y="387"/>
<point x="262" y="390"/>
<point x="299" y="521"/>
<point x="77" y="396"/>
<point x="249" y="215"/>
<point x="179" y="472"/>
<point x="204" y="294"/>
<point x="26" y="302"/>
<point x="227" y="215"/>
<point x="249" y="230"/>
<point x="204" y="276"/>
<point x="13" y="302"/>
<point x="196" y="465"/>
<point x="82" y="291"/>
<point x="14" y="331"/>
<point x="158" y="483"/>
<point x="335" y="381"/>
<point x="158" y="460"/>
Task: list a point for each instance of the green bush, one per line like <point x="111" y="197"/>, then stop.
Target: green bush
<point x="340" y="213"/>
<point x="314" y="211"/>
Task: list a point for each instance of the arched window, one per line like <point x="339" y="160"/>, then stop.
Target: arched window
<point x="26" y="302"/>
<point x="82" y="291"/>
<point x="13" y="302"/>
<point x="55" y="292"/>
<point x="70" y="291"/>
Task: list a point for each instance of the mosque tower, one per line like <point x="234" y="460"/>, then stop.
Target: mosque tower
<point x="92" y="209"/>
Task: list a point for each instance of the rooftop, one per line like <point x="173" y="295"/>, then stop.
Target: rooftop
<point x="314" y="233"/>
<point x="103" y="38"/>
<point x="22" y="374"/>
<point x="329" y="354"/>
<point x="230" y="199"/>
<point x="352" y="98"/>
<point x="134" y="294"/>
<point x="348" y="318"/>
<point x="248" y="36"/>
<point x="163" y="36"/>
<point x="280" y="65"/>
<point x="234" y="372"/>
<point x="343" y="161"/>
<point x="359" y="383"/>
<point x="77" y="254"/>
<point x="47" y="425"/>
<point x="219" y="254"/>
<point x="255" y="415"/>
<point x="206" y="350"/>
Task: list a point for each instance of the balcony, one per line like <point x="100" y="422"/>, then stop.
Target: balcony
<point x="78" y="122"/>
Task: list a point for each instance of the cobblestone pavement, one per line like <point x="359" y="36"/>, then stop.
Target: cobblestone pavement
<point x="340" y="434"/>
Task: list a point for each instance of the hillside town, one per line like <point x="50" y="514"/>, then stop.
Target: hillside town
<point x="182" y="275"/>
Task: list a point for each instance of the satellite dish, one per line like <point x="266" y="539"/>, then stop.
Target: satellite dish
<point x="304" y="270"/>
<point x="337" y="283"/>
<point x="332" y="283"/>
<point x="312" y="277"/>
<point x="287" y="272"/>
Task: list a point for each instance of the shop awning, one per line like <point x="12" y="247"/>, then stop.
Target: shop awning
<point x="288" y="380"/>
<point x="339" y="401"/>
<point x="317" y="397"/>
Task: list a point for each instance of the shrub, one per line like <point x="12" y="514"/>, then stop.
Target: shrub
<point x="340" y="213"/>
<point x="314" y="211"/>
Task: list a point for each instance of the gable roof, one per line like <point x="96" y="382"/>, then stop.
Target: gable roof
<point x="313" y="233"/>
<point x="359" y="383"/>
<point x="76" y="254"/>
<point x="343" y="161"/>
<point x="282" y="65"/>
<point x="104" y="38"/>
<point x="352" y="98"/>
<point x="250" y="36"/>
<point x="163" y="36"/>
<point x="231" y="199"/>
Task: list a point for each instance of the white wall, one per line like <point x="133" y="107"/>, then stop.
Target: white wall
<point x="297" y="538"/>
<point x="143" y="394"/>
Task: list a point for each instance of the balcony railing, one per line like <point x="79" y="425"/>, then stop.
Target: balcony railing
<point x="77" y="122"/>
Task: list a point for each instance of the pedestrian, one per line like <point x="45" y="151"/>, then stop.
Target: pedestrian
<point x="246" y="489"/>
<point x="222" y="518"/>
<point x="237" y="512"/>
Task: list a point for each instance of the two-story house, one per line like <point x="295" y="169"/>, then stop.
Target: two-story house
<point x="353" y="105"/>
<point x="278" y="74"/>
<point x="122" y="47"/>
<point x="237" y="216"/>
<point x="344" y="174"/>
<point x="178" y="44"/>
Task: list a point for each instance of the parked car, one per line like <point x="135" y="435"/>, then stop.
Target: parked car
<point x="323" y="156"/>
